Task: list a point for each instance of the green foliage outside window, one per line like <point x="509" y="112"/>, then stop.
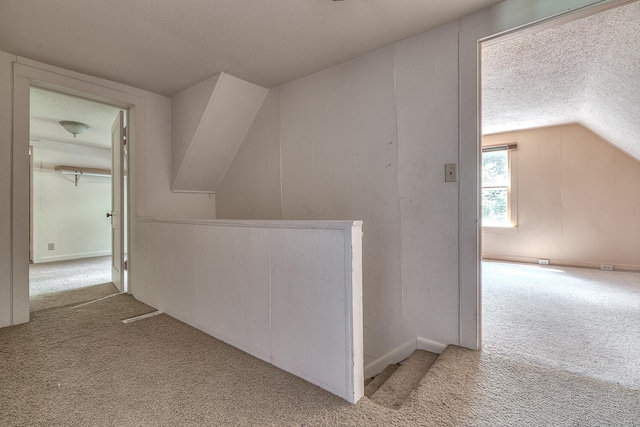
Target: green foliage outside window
<point x="495" y="188"/>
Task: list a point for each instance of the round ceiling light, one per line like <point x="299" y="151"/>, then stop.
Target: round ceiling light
<point x="75" y="128"/>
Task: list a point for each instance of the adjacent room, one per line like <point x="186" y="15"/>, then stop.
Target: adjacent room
<point x="70" y="238"/>
<point x="561" y="195"/>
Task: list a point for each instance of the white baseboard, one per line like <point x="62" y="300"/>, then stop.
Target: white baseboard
<point x="70" y="257"/>
<point x="400" y="353"/>
<point x="394" y="356"/>
<point x="428" y="345"/>
<point x="562" y="262"/>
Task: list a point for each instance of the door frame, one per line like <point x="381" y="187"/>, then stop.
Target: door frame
<point x="118" y="202"/>
<point x="27" y="74"/>
<point x="508" y="20"/>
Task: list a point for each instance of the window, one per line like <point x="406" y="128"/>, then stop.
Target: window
<point x="497" y="206"/>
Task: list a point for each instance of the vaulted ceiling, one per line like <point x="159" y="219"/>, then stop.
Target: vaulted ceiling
<point x="586" y="71"/>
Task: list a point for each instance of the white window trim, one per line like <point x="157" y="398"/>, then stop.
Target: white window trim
<point x="512" y="190"/>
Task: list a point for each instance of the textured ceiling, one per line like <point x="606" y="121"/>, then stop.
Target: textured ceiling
<point x="47" y="109"/>
<point x="167" y="45"/>
<point x="586" y="71"/>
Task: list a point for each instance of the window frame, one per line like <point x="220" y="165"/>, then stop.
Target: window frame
<point x="511" y="187"/>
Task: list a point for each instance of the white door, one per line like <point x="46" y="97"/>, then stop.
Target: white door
<point x="117" y="202"/>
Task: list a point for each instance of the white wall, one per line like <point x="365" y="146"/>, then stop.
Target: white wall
<point x="426" y="70"/>
<point x="340" y="161"/>
<point x="289" y="293"/>
<point x="72" y="217"/>
<point x="251" y="187"/>
<point x="368" y="140"/>
<point x="365" y="141"/>
<point x="6" y="117"/>
<point x="152" y="169"/>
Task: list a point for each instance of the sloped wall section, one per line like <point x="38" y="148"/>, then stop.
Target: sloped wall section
<point x="209" y="122"/>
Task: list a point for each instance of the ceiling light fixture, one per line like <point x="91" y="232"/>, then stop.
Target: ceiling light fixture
<point x="75" y="128"/>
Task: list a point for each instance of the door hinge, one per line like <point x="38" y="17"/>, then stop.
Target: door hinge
<point x="126" y="265"/>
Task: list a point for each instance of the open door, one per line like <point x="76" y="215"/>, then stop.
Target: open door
<point x="117" y="202"/>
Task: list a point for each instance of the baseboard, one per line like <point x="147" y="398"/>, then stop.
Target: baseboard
<point x="561" y="262"/>
<point x="396" y="355"/>
<point x="70" y="257"/>
<point x="400" y="353"/>
<point x="428" y="345"/>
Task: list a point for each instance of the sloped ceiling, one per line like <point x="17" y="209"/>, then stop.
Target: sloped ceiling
<point x="165" y="46"/>
<point x="586" y="71"/>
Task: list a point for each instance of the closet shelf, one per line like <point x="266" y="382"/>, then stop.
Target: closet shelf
<point x="79" y="171"/>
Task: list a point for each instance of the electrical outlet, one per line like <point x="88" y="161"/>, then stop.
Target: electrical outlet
<point x="543" y="261"/>
<point x="52" y="246"/>
<point x="606" y="267"/>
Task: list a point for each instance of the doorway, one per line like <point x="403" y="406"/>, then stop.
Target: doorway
<point x="60" y="81"/>
<point x="71" y="191"/>
<point x="576" y="183"/>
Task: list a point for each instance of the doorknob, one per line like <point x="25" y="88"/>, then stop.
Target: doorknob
<point x="109" y="214"/>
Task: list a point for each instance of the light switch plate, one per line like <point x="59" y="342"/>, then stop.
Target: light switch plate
<point x="451" y="172"/>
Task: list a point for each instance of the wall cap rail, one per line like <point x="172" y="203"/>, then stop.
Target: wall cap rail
<point x="324" y="225"/>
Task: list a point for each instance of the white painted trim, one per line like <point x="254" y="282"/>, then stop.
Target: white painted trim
<point x="400" y="353"/>
<point x="192" y="191"/>
<point x="559" y="262"/>
<point x="334" y="225"/>
<point x="429" y="345"/>
<point x="67" y="257"/>
<point x="499" y="230"/>
<point x="355" y="313"/>
<point x="396" y="355"/>
<point x="20" y="201"/>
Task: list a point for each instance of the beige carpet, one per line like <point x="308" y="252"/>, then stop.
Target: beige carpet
<point x="584" y="321"/>
<point x="50" y="277"/>
<point x="71" y="296"/>
<point x="56" y="284"/>
<point x="84" y="367"/>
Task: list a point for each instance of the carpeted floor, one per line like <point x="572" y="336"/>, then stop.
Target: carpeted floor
<point x="583" y="321"/>
<point x="71" y="297"/>
<point x="84" y="367"/>
<point x="50" y="277"/>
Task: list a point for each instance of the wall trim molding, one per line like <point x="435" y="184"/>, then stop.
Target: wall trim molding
<point x="55" y="258"/>
<point x="429" y="345"/>
<point x="558" y="262"/>
<point x="400" y="353"/>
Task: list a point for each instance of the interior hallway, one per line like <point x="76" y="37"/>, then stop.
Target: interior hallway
<point x="79" y="366"/>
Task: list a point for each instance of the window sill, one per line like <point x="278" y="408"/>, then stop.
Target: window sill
<point x="506" y="229"/>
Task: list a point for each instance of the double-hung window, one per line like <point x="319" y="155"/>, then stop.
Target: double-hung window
<point x="497" y="201"/>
